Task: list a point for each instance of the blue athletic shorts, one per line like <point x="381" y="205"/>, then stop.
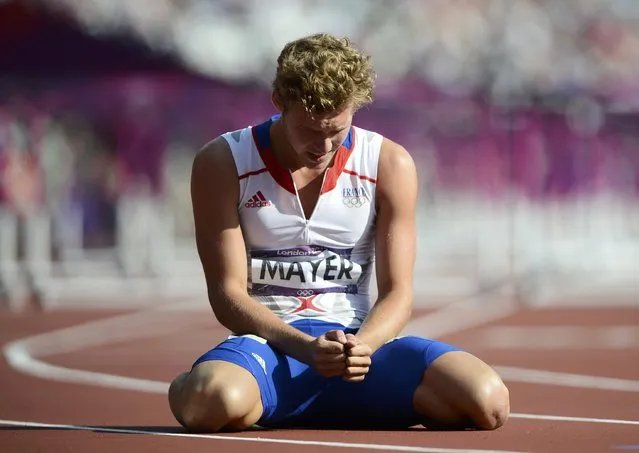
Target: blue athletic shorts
<point x="295" y="395"/>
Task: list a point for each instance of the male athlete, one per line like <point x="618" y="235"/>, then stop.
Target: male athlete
<point x="292" y="217"/>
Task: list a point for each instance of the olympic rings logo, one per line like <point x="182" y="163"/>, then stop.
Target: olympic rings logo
<point x="305" y="292"/>
<point x="354" y="202"/>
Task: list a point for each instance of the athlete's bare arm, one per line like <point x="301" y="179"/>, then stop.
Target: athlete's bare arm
<point x="221" y="247"/>
<point x="395" y="244"/>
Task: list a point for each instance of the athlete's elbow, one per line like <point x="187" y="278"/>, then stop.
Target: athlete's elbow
<point x="402" y="300"/>
<point x="404" y="306"/>
<point x="215" y="298"/>
<point x="221" y="305"/>
<point x="220" y="314"/>
<point x="406" y="301"/>
<point x="228" y="318"/>
<point x="407" y="313"/>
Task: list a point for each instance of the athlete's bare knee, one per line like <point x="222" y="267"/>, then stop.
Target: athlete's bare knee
<point x="176" y="396"/>
<point x="459" y="389"/>
<point x="493" y="403"/>
<point x="214" y="397"/>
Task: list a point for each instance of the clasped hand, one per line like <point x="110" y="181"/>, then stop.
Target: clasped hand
<point x="336" y="353"/>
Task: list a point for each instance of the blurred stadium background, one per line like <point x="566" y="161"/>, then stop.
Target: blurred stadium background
<point x="522" y="115"/>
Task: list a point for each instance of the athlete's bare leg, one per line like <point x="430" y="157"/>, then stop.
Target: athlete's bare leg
<point x="459" y="390"/>
<point x="215" y="396"/>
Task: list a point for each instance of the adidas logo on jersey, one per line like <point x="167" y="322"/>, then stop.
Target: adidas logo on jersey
<point x="257" y="201"/>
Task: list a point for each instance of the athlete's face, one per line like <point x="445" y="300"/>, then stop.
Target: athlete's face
<point x="316" y="138"/>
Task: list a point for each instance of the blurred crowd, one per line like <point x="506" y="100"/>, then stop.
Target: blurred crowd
<point x="502" y="46"/>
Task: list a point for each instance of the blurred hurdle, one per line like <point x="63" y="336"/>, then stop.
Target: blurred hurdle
<point x="25" y="256"/>
<point x="145" y="236"/>
<point x="30" y="271"/>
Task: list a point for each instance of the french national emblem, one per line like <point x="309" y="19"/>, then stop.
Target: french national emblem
<point x="354" y="197"/>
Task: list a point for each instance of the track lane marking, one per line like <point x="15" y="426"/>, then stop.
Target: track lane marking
<point x="314" y="443"/>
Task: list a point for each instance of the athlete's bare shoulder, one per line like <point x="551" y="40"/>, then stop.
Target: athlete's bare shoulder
<point x="213" y="169"/>
<point x="212" y="155"/>
<point x="395" y="162"/>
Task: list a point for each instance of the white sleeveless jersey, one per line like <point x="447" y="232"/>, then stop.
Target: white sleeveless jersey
<point x="320" y="267"/>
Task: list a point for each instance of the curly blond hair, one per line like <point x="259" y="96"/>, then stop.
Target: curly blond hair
<point x="324" y="73"/>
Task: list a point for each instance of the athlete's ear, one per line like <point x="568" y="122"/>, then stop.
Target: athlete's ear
<point x="277" y="101"/>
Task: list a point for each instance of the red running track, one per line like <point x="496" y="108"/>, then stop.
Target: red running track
<point x="153" y="346"/>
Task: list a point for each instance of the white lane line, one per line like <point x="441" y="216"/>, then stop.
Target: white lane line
<point x="464" y="314"/>
<point x="526" y="375"/>
<point x="24" y="354"/>
<point x="560" y="418"/>
<point x="160" y="320"/>
<point x="612" y="299"/>
<point x="558" y="337"/>
<point x="18" y="357"/>
<point x="308" y="443"/>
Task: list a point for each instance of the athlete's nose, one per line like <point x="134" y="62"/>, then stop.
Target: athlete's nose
<point x="328" y="145"/>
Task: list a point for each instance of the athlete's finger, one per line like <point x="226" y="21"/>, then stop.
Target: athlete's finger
<point x="351" y="341"/>
<point x="356" y="361"/>
<point x="336" y="335"/>
<point x="354" y="379"/>
<point x="325" y="346"/>
<point x="361" y="350"/>
<point x="322" y="357"/>
<point x="331" y="366"/>
<point x="353" y="372"/>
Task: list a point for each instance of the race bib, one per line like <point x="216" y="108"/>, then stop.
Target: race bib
<point x="304" y="271"/>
